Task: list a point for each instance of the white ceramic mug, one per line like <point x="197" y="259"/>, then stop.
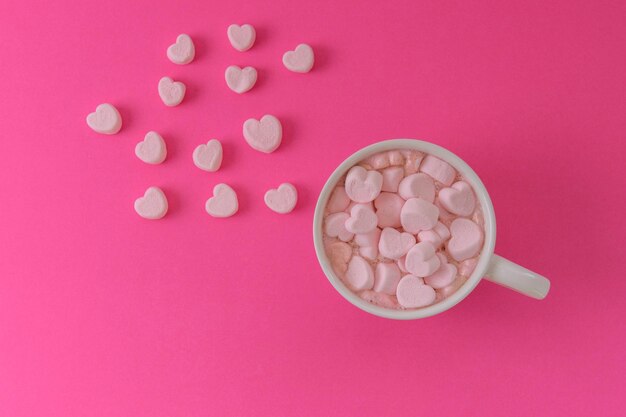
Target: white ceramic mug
<point x="490" y="266"/>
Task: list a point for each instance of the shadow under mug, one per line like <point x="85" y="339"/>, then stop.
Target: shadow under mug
<point x="490" y="266"/>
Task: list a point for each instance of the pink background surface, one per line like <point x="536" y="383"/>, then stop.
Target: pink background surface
<point x="106" y="314"/>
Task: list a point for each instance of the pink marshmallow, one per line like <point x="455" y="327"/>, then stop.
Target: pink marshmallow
<point x="421" y="260"/>
<point x="417" y="186"/>
<point x="412" y="161"/>
<point x="368" y="243"/>
<point x="387" y="276"/>
<point x="401" y="264"/>
<point x="393" y="244"/>
<point x="437" y="235"/>
<point x="359" y="274"/>
<point x="418" y="214"/>
<point x="378" y="161"/>
<point x="444" y="276"/>
<point x="395" y="158"/>
<point x="362" y="219"/>
<point x="391" y="178"/>
<point x="458" y="199"/>
<point x="338" y="201"/>
<point x="466" y="240"/>
<point x="363" y="186"/>
<point x="467" y="267"/>
<point x="438" y="169"/>
<point x="413" y="293"/>
<point x="388" y="208"/>
<point x="370" y="205"/>
<point x="452" y="288"/>
<point x="339" y="254"/>
<point x="335" y="226"/>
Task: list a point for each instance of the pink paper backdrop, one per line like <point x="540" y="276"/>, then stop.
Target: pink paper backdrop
<point x="105" y="314"/>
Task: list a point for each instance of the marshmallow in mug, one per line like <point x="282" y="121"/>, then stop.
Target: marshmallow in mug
<point x="403" y="230"/>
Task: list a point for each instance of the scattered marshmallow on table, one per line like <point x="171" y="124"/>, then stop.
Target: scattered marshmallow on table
<point x="182" y="51"/>
<point x="224" y="202"/>
<point x="283" y="199"/>
<point x="171" y="92"/>
<point x="208" y="157"/>
<point x="153" y="204"/>
<point x="402" y="212"/>
<point x="299" y="60"/>
<point x="105" y="119"/>
<point x="151" y="149"/>
<point x="263" y="135"/>
<point x="241" y="37"/>
<point x="239" y="79"/>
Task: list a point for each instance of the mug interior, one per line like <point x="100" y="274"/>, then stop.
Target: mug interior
<point x="468" y="174"/>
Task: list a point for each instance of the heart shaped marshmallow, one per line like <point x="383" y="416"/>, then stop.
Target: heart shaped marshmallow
<point x="299" y="60"/>
<point x="182" y="51"/>
<point x="241" y="37"/>
<point x="359" y="274"/>
<point x="442" y="277"/>
<point x="422" y="260"/>
<point x="208" y="157"/>
<point x="363" y="186"/>
<point x="263" y="135"/>
<point x="240" y="80"/>
<point x="153" y="204"/>
<point x="437" y="235"/>
<point x="171" y="92"/>
<point x="418" y="214"/>
<point x="151" y="149"/>
<point x="106" y="119"/>
<point x="413" y="293"/>
<point x="466" y="240"/>
<point x="282" y="199"/>
<point x="458" y="199"/>
<point x="335" y="226"/>
<point x="417" y="186"/>
<point x="394" y="244"/>
<point x="362" y="219"/>
<point x="223" y="203"/>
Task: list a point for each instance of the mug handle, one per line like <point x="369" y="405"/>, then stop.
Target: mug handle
<point x="517" y="278"/>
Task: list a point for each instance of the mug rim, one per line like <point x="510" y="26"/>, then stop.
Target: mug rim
<point x="468" y="174"/>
